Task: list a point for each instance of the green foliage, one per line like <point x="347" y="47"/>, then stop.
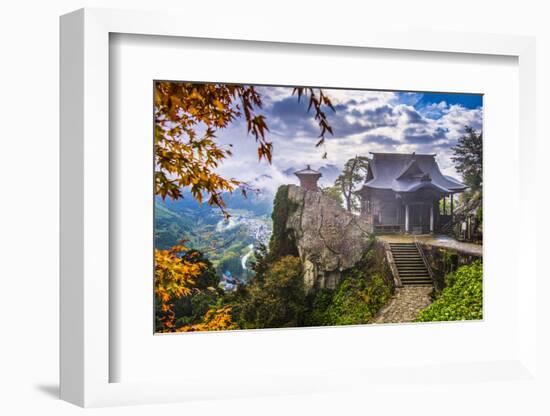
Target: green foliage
<point x="335" y="193"/>
<point x="449" y="259"/>
<point x="462" y="298"/>
<point x="281" y="242"/>
<point x="202" y="227"/>
<point x="357" y="299"/>
<point x="207" y="278"/>
<point x="190" y="310"/>
<point x="260" y="264"/>
<point x="320" y="304"/>
<point x="230" y="262"/>
<point x="274" y="297"/>
<point x="277" y="299"/>
<point x="359" y="296"/>
<point x="468" y="156"/>
<point x="353" y="174"/>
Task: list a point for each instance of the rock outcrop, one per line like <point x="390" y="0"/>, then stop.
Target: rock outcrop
<point x="328" y="238"/>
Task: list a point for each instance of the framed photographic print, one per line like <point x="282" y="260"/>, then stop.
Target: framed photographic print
<point x="280" y="207"/>
<point x="291" y="213"/>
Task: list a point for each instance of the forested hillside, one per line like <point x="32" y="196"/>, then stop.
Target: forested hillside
<point x="224" y="241"/>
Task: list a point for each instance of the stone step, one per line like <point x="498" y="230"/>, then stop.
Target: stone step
<point x="417" y="279"/>
<point x="427" y="284"/>
<point x="410" y="265"/>
<point x="407" y="268"/>
<point x="417" y="260"/>
<point x="407" y="261"/>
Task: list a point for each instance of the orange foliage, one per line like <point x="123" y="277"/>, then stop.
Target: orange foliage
<point x="185" y="158"/>
<point x="214" y="320"/>
<point x="174" y="278"/>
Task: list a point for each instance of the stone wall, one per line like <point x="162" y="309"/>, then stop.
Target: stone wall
<point x="446" y="260"/>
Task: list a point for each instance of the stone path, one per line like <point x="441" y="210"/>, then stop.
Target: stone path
<point x="435" y="240"/>
<point x="405" y="305"/>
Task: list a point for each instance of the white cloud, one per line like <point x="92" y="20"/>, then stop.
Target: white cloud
<point x="365" y="121"/>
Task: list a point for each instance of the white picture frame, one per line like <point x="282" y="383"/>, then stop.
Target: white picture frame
<point x="85" y="267"/>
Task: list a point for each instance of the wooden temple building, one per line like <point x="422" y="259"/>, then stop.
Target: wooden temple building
<point x="402" y="193"/>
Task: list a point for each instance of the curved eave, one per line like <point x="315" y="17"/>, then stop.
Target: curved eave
<point x="414" y="188"/>
<point x="307" y="174"/>
<point x="458" y="190"/>
<point x="423" y="185"/>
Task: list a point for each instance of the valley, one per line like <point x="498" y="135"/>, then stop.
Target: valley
<point x="228" y="243"/>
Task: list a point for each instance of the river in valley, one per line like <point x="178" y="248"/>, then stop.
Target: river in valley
<point x="244" y="258"/>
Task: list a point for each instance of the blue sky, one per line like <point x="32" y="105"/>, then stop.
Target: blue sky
<point x="465" y="100"/>
<point x="364" y="121"/>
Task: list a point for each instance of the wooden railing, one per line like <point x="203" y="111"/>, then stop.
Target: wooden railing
<point x="386" y="228"/>
<point x="393" y="266"/>
<point x="425" y="260"/>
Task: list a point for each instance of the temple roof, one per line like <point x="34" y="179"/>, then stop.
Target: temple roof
<point x="308" y="171"/>
<point x="409" y="172"/>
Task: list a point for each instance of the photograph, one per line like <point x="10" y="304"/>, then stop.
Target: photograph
<point x="298" y="206"/>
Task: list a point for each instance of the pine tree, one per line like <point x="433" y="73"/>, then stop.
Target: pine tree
<point x="468" y="157"/>
<point x="354" y="173"/>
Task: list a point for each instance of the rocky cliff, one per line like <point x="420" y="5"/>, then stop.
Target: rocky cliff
<point x="327" y="238"/>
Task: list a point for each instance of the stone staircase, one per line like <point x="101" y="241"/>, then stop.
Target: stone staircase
<point x="410" y="265"/>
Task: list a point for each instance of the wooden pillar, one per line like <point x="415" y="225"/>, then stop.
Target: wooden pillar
<point x="451" y="207"/>
<point x="432" y="218"/>
<point x="407" y="218"/>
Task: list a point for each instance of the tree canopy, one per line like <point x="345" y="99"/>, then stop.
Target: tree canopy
<point x="187" y="117"/>
<point x="468" y="157"/>
<point x="353" y="174"/>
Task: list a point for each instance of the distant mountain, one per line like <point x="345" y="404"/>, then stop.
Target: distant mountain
<point x="289" y="171"/>
<point x="251" y="202"/>
<point x="261" y="177"/>
<point x="330" y="173"/>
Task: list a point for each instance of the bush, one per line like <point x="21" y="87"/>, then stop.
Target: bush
<point x="462" y="298"/>
<point x="320" y="302"/>
<point x="277" y="299"/>
<point x="357" y="299"/>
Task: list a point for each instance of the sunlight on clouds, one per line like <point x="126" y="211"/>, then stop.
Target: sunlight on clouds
<point x="364" y="121"/>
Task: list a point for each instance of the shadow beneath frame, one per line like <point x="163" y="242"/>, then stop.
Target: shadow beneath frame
<point x="51" y="390"/>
